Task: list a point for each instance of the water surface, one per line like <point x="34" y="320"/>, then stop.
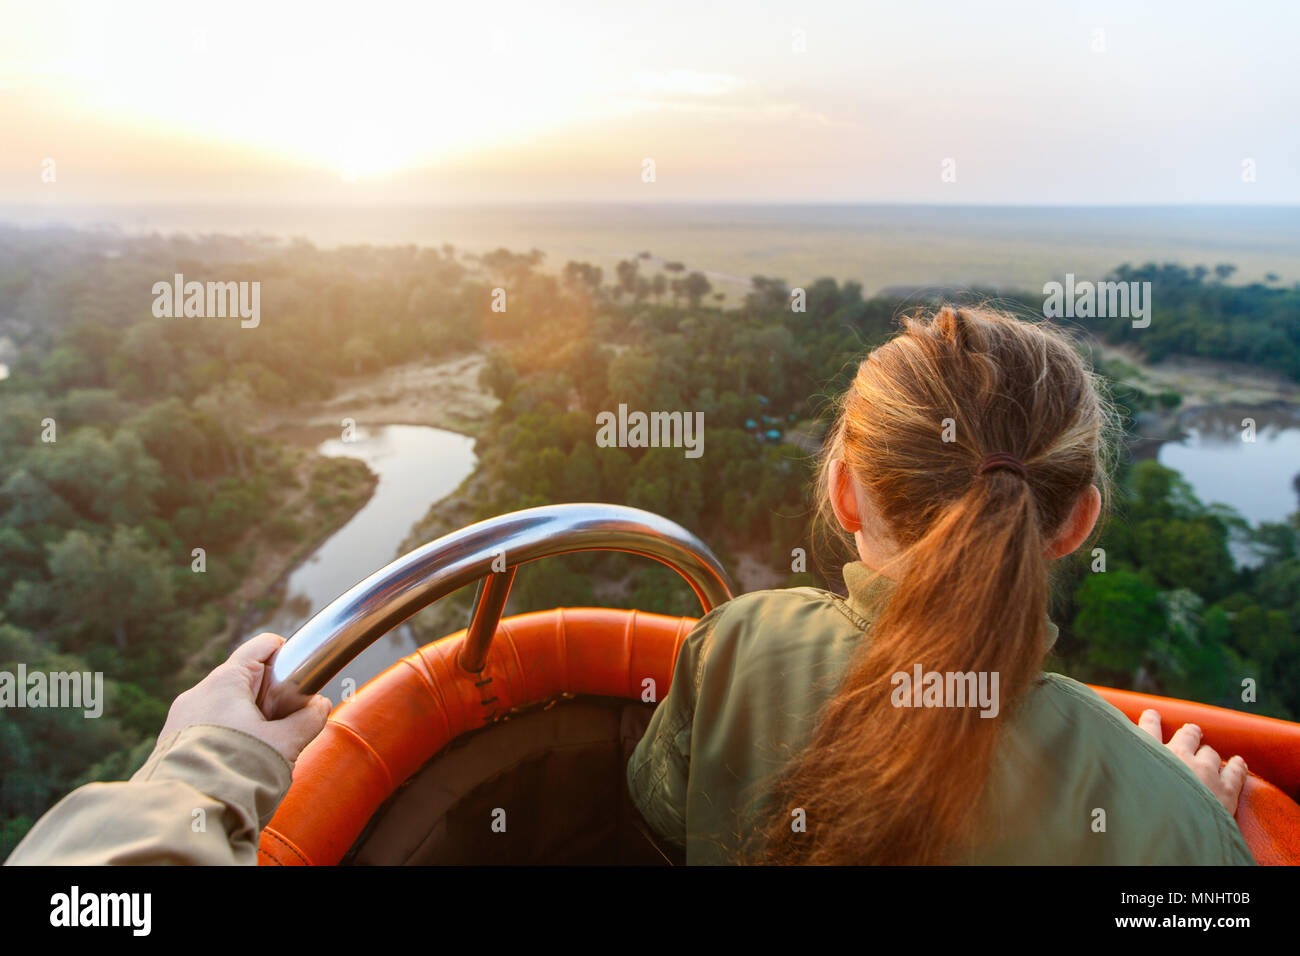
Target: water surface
<point x="417" y="466"/>
<point x="1256" y="478"/>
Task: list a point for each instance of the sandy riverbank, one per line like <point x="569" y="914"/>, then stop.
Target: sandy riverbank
<point x="439" y="394"/>
<point x="1200" y="382"/>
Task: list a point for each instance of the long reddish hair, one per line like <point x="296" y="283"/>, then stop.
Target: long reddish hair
<point x="879" y="783"/>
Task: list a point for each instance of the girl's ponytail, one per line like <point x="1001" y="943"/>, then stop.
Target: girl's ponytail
<point x="895" y="771"/>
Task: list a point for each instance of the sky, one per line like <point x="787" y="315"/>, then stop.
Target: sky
<point x="1042" y="102"/>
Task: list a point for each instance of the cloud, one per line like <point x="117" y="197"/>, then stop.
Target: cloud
<point x="718" y="94"/>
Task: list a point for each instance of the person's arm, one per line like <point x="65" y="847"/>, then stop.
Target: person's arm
<point x="658" y="773"/>
<point x="213" y="781"/>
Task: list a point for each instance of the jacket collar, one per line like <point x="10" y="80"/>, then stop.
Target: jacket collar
<point x="868" y="590"/>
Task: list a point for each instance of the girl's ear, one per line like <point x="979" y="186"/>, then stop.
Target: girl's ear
<point x="843" y="501"/>
<point x="1079" y="524"/>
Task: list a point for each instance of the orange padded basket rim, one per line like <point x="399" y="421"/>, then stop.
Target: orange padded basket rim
<point x="373" y="742"/>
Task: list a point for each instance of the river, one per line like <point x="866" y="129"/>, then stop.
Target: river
<point x="1256" y="478"/>
<point x="417" y="466"/>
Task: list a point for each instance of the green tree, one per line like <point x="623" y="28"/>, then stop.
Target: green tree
<point x="110" y="588"/>
<point x="696" y="287"/>
<point x="1119" y="617"/>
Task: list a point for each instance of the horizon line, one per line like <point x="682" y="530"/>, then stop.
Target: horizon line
<point x="642" y="203"/>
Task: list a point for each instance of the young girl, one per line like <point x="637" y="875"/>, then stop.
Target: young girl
<point x="912" y="722"/>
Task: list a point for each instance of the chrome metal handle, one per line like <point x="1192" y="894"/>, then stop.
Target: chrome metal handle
<point x="368" y="610"/>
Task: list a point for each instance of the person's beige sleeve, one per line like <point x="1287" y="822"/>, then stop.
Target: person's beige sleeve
<point x="201" y="798"/>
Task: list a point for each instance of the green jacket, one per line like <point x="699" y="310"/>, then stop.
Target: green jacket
<point x="753" y="675"/>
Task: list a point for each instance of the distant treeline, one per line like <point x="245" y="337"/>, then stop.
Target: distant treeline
<point x="1197" y="313"/>
<point x="158" y="453"/>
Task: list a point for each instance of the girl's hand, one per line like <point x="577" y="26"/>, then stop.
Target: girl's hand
<point x="1225" y="780"/>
